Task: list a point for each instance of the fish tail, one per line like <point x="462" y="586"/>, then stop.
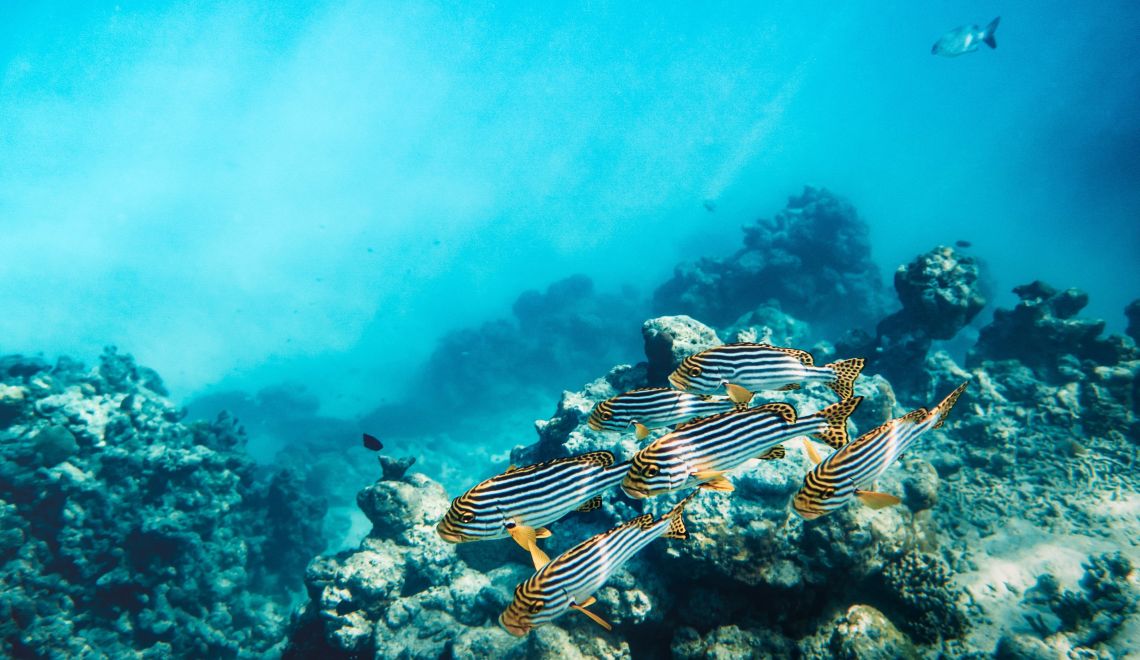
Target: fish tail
<point x="835" y="434"/>
<point x="846" y="371"/>
<point x="988" y="33"/>
<point x="677" y="521"/>
<point x="943" y="409"/>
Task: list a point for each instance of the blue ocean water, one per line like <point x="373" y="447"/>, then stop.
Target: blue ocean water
<point x="325" y="217"/>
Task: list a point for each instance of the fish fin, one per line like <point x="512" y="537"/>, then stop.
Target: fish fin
<point x="591" y="504"/>
<point x="989" y="39"/>
<point x="835" y="435"/>
<point x="640" y="430"/>
<point x="676" y="520"/>
<point x="593" y="617"/>
<point x="523" y="535"/>
<point x="789" y="387"/>
<point x="846" y="371"/>
<point x="538" y="557"/>
<point x="812" y="454"/>
<point x="542" y="533"/>
<point x="719" y="484"/>
<point x="600" y="458"/>
<point x="775" y="453"/>
<point x="943" y="408"/>
<point x="785" y="410"/>
<point x="511" y="468"/>
<point x="876" y="500"/>
<point x="737" y="393"/>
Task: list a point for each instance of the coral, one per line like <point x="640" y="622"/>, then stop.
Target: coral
<point x="129" y="531"/>
<point x="1041" y="331"/>
<point x="941" y="293"/>
<point x="813" y="257"/>
<point x="863" y="633"/>
<point x="670" y="339"/>
<point x="919" y="584"/>
<point x="729" y="642"/>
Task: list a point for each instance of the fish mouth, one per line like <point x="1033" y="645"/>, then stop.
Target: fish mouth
<point x="636" y="492"/>
<point x="516" y="629"/>
<point x="806" y="513"/>
<point x="677" y="381"/>
<point x="594" y="424"/>
<point x="450" y="537"/>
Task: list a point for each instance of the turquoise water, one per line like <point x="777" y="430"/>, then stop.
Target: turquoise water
<point x="426" y="222"/>
<point x="318" y="191"/>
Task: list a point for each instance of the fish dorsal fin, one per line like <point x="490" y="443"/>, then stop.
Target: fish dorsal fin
<point x="774" y="453"/>
<point x="591" y="504"/>
<point x="644" y="521"/>
<point x="593" y="617"/>
<point x="784" y="410"/>
<point x="913" y="417"/>
<point x="599" y="458"/>
<point x="697" y="421"/>
<point x="801" y="355"/>
<point x="943" y="409"/>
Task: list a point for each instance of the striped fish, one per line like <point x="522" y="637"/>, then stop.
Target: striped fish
<point x="520" y="501"/>
<point x="746" y="367"/>
<point x="569" y="581"/>
<point x="850" y="472"/>
<point x="701" y="452"/>
<point x="654" y="407"/>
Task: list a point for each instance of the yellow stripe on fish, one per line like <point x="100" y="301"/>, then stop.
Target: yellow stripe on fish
<point x="570" y="580"/>
<point x="752" y="367"/>
<point x="851" y="470"/>
<point x="701" y="452"/>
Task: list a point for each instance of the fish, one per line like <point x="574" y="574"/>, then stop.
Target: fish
<point x="963" y="244"/>
<point x="570" y="579"/>
<point x="701" y="452"/>
<point x="745" y="367"/>
<point x="372" y="443"/>
<point x="521" y="501"/>
<point x="654" y="407"/>
<point x="850" y="471"/>
<point x="965" y="39"/>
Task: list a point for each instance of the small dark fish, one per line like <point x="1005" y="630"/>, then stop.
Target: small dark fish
<point x="709" y="205"/>
<point x="963" y="244"/>
<point x="372" y="442"/>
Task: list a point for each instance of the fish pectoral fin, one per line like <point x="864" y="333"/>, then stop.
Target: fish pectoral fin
<point x="593" y="617"/>
<point x="718" y="483"/>
<point x="538" y="557"/>
<point x="523" y="535"/>
<point x="811" y="452"/>
<point x="737" y="393"/>
<point x="542" y="533"/>
<point x="640" y="430"/>
<point x="877" y="500"/>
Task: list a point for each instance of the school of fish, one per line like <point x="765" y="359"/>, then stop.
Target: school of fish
<point x="714" y="430"/>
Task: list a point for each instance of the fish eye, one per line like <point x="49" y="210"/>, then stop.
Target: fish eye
<point x="468" y="517"/>
<point x="651" y="470"/>
<point x="607" y="415"/>
<point x="694" y="371"/>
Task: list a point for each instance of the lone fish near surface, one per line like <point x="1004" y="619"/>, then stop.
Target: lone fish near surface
<point x="701" y="452"/>
<point x="655" y="407"/>
<point x="570" y="579"/>
<point x="965" y="39"/>
<point x="745" y="367"/>
<point x="519" y="502"/>
<point x="850" y="472"/>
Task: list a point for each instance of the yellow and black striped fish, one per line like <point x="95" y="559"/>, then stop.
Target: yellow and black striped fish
<point x="654" y="407"/>
<point x="850" y="472"/>
<point x="520" y="501"/>
<point x="570" y="579"/>
<point x="700" y="452"/>
<point x="746" y="367"/>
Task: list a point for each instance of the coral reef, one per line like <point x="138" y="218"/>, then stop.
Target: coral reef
<point x="127" y="531"/>
<point x="813" y="258"/>
<point x="941" y="293"/>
